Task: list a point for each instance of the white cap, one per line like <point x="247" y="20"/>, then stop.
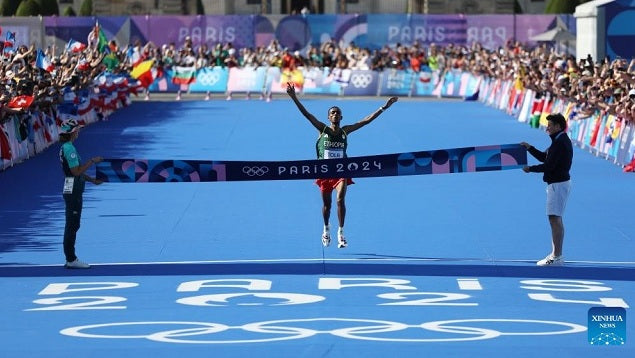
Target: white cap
<point x="631" y="93"/>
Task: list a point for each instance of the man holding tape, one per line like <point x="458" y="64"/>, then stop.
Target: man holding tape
<point x="556" y="163"/>
<point x="74" y="178"/>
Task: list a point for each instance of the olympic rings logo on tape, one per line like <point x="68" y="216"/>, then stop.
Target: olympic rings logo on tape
<point x="279" y="330"/>
<point x="361" y="80"/>
<point x="255" y="170"/>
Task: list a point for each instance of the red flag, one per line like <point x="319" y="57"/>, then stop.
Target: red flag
<point x="47" y="135"/>
<point x="143" y="73"/>
<point x="22" y="102"/>
<point x="596" y="129"/>
<point x="5" y="148"/>
<point x="146" y="79"/>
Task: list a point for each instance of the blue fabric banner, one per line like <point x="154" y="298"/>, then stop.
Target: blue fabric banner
<point x="456" y="160"/>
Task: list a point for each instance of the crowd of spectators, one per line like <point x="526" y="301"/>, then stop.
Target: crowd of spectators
<point x="596" y="85"/>
<point x="19" y="76"/>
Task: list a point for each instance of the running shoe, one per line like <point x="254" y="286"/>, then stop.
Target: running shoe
<point x="551" y="261"/>
<point x="326" y="239"/>
<point x="76" y="265"/>
<point x="341" y="241"/>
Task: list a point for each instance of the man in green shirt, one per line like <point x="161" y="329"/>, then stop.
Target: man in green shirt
<point x="74" y="180"/>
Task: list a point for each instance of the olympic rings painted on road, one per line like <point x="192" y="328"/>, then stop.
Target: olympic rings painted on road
<point x="361" y="331"/>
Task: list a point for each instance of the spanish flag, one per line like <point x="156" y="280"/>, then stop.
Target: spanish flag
<point x="294" y="76"/>
<point x="143" y="73"/>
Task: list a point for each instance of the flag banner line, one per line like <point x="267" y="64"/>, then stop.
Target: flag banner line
<point x="442" y="161"/>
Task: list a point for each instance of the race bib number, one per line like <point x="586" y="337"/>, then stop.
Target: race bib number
<point x="333" y="154"/>
<point x="68" y="185"/>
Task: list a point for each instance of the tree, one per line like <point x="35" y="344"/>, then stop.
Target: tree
<point x="200" y="9"/>
<point x="8" y="7"/>
<point x="86" y="9"/>
<point x="28" y="8"/>
<point x="69" y="11"/>
<point x="563" y="6"/>
<point x="48" y="7"/>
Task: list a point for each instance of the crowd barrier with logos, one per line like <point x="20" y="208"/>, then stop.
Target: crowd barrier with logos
<point x="325" y="81"/>
<point x="605" y="135"/>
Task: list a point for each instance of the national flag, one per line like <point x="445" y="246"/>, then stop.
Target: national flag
<point x="184" y="75"/>
<point x="425" y="76"/>
<point x="75" y="46"/>
<point x="43" y="62"/>
<point x="22" y="102"/>
<point x="8" y="46"/>
<point x="294" y="76"/>
<point x="9" y="42"/>
<point x="82" y="65"/>
<point x="143" y="73"/>
<point x="97" y="35"/>
<point x="110" y="61"/>
<point x="610" y="129"/>
<point x="5" y="147"/>
<point x="596" y="129"/>
<point x="121" y="82"/>
<point x="102" y="44"/>
<point x="342" y="76"/>
<point x="84" y="106"/>
<point x="134" y="57"/>
<point x="47" y="122"/>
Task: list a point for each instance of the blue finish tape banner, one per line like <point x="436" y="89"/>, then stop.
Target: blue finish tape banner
<point x="457" y="160"/>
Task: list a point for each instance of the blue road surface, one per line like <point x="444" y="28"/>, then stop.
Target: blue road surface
<point x="439" y="265"/>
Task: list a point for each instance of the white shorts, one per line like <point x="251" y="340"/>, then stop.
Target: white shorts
<point x="557" y="195"/>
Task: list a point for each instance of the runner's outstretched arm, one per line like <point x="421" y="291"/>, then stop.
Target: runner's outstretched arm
<point x="291" y="92"/>
<point x="353" y="127"/>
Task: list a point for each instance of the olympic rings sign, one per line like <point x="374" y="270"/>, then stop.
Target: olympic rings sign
<point x="350" y="328"/>
<point x="208" y="78"/>
<point x="255" y="170"/>
<point x="360" y="80"/>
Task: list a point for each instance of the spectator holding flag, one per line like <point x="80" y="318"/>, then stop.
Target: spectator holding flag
<point x="43" y="62"/>
<point x="75" y="46"/>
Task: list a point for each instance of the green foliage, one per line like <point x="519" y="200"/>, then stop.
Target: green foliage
<point x="563" y="6"/>
<point x="8" y="7"/>
<point x="69" y="12"/>
<point x="28" y="8"/>
<point x="48" y="7"/>
<point x="200" y="9"/>
<point x="86" y="9"/>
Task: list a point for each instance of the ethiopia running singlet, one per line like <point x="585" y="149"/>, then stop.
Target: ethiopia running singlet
<point x="331" y="147"/>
